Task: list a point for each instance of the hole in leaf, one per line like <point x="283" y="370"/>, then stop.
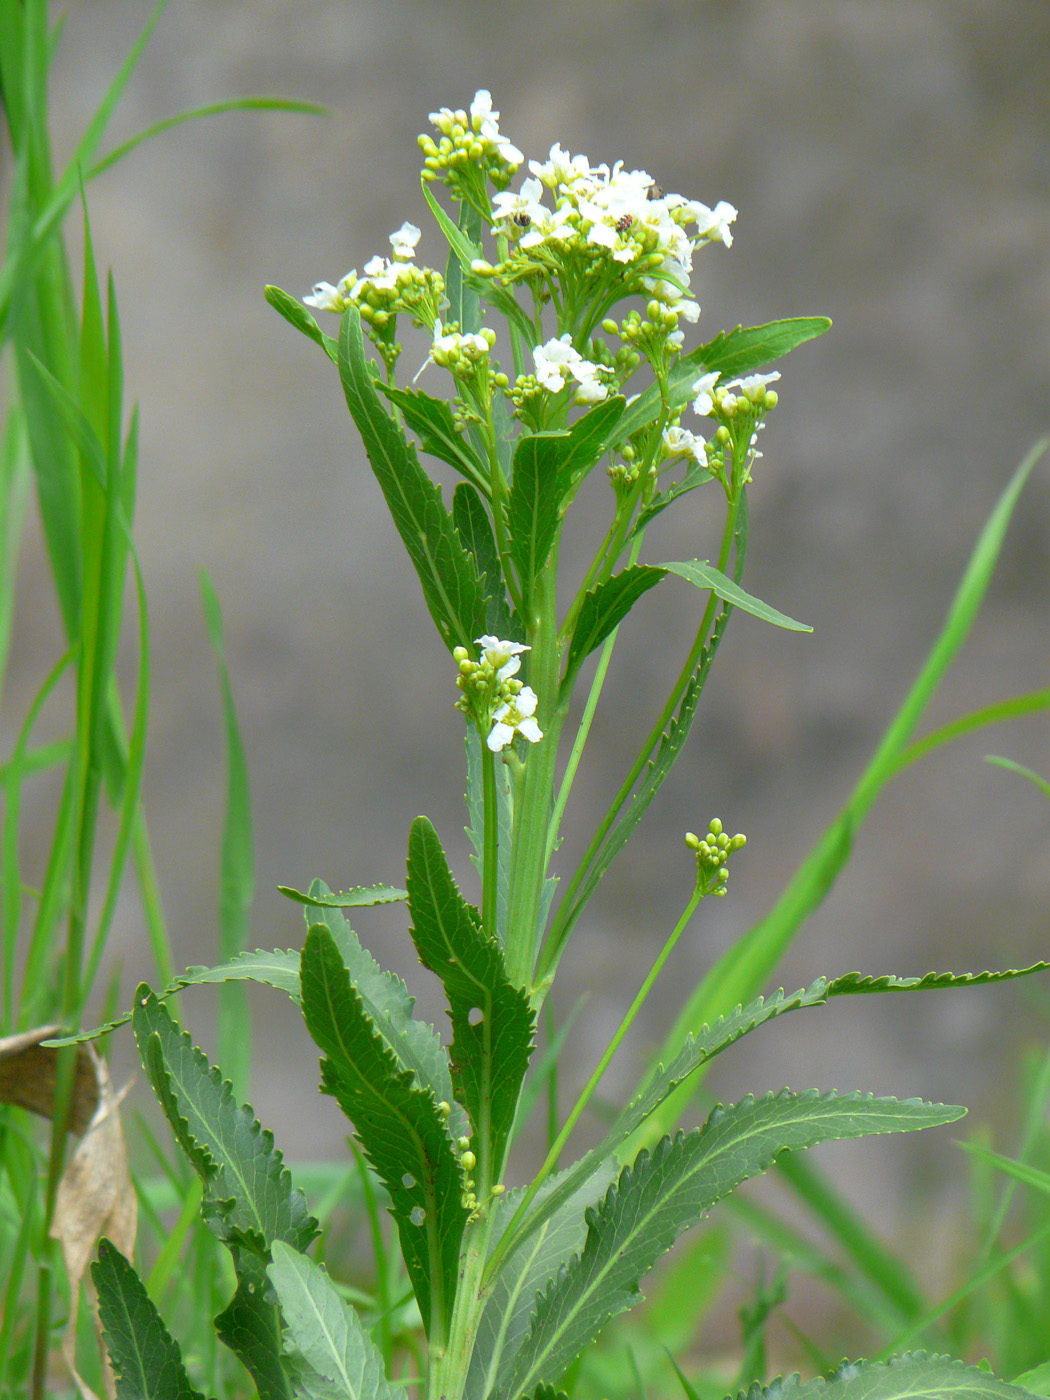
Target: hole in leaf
<point x="408" y="1181"/>
<point x="417" y="1216"/>
<point x="475" y="1016"/>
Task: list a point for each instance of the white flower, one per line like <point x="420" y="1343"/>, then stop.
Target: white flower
<point x="522" y="209"/>
<point x="754" y="385"/>
<point x="503" y="656"/>
<point x="451" y="348"/>
<point x="554" y="361"/>
<point x="561" y="169"/>
<point x="515" y="717"/>
<point x="704" y="403"/>
<point x="404" y="241"/>
<point x="714" y="223"/>
<point x="589" y="389"/>
<point x="325" y="297"/>
<point x="481" y="108"/>
<point x="679" y="442"/>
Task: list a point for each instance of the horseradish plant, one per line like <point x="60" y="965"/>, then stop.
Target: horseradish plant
<point x="586" y="270"/>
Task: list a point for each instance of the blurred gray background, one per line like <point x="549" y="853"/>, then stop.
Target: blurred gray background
<point x="891" y="166"/>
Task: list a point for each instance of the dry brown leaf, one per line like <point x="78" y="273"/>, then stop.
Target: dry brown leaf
<point x="27" y="1076"/>
<point x="95" y="1197"/>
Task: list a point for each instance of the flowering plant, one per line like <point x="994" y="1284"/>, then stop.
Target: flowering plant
<point x="588" y="275"/>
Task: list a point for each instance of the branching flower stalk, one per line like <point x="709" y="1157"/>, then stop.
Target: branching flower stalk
<point x="585" y="270"/>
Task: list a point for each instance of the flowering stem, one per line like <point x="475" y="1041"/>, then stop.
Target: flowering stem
<point x="561" y="926"/>
<point x="490" y="863"/>
<point x="507" y="1241"/>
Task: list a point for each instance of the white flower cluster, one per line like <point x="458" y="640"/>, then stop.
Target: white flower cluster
<point x="559" y="360"/>
<point x="473" y="136"/>
<point x="621" y="211"/>
<point x="725" y="399"/>
<point x="379" y="274"/>
<point x="506" y="703"/>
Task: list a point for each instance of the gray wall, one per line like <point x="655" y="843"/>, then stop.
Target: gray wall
<point x="890" y="162"/>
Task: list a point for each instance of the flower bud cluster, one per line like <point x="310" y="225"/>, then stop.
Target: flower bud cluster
<point x="468" y="1162"/>
<point x="492" y="696"/>
<point x="470" y="144"/>
<point x="712" y="857"/>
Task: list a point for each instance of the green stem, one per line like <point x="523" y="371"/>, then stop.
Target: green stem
<point x="507" y="1240"/>
<point x="552" y="950"/>
<point x="490" y="863"/>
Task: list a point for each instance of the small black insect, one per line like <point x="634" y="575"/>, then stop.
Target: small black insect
<point x="654" y="191"/>
<point x="624" y="222"/>
<point x="522" y="219"/>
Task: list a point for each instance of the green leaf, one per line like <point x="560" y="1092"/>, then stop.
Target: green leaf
<point x="398" y="1124"/>
<point x="451" y="585"/>
<point x="534" y="505"/>
<point x="251" y="1327"/>
<point x="857" y="984"/>
<point x="604" y="608"/>
<point x="277" y="969"/>
<point x="705" y="575"/>
<point x="696" y="1051"/>
<point x="388" y="1005"/>
<point x="475" y="800"/>
<point x="695" y="475"/>
<point x="492" y="1020"/>
<point x="588" y="440"/>
<point x="361" y="896"/>
<point x="146" y="1359"/>
<point x="248" y="1194"/>
<point x="432" y="422"/>
<point x="913" y="1376"/>
<point x="732" y="353"/>
<point x="528" y="1270"/>
<point x="662" y="1195"/>
<point x="297" y="315"/>
<point x="472" y="523"/>
<point x="325" y="1332"/>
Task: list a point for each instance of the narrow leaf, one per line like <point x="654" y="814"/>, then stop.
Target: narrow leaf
<point x="856" y="984"/>
<point x="431" y="421"/>
<point x="361" y="896"/>
<point x="604" y="608"/>
<point x="451" y="586"/>
<point x="398" y="1124"/>
<point x="705" y="575"/>
<point x="533" y="509"/>
<point x="326" y="1332"/>
<point x="475" y="530"/>
<point x="249" y="1197"/>
<point x="662" y="1195"/>
<point x="492" y="1020"/>
<point x="297" y="315"/>
<point x="146" y="1359"/>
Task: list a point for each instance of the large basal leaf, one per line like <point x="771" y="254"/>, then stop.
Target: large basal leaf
<point x="704" y="575"/>
<point x="146" y="1359"/>
<point x="432" y="422"/>
<point x="389" y="1006"/>
<point x="911" y="1376"/>
<point x="732" y="353"/>
<point x="662" y="1195"/>
<point x="398" y="1123"/>
<point x="326" y="1333"/>
<point x="475" y="530"/>
<point x="527" y="1271"/>
<point x="450" y="582"/>
<point x="696" y="1051"/>
<point x="249" y="1196"/>
<point x="492" y="1020"/>
<point x="604" y="608"/>
<point x="251" y="1327"/>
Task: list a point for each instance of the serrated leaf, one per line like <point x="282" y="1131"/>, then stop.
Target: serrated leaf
<point x="732" y="353"/>
<point x="588" y="440"/>
<point x="604" y="608"/>
<point x="249" y="1197"/>
<point x="278" y="969"/>
<point x="492" y="1020"/>
<point x="912" y="1376"/>
<point x="432" y="422"/>
<point x="446" y="571"/>
<point x="472" y="522"/>
<point x="360" y="897"/>
<point x="146" y="1359"/>
<point x="696" y="1051"/>
<point x="251" y="1327"/>
<point x="857" y="984"/>
<point x="297" y="315"/>
<point x="704" y="575"/>
<point x="397" y="1122"/>
<point x="325" y="1331"/>
<point x="660" y="1196"/>
<point x="527" y="1271"/>
<point x="389" y="1006"/>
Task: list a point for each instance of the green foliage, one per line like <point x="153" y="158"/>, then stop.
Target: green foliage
<point x="397" y="1122"/>
<point x="146" y="1360"/>
<point x="451" y="585"/>
<point x="700" y="573"/>
<point x="914" y="1376"/>
<point x="492" y="1020"/>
